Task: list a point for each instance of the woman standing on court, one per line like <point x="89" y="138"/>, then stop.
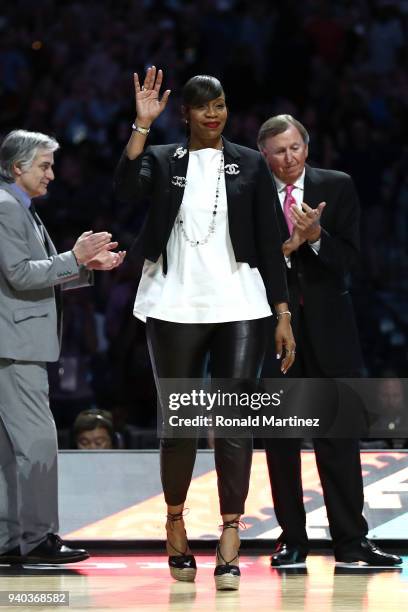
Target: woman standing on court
<point x="213" y="275"/>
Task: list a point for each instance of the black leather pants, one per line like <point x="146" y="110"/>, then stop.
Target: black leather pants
<point x="236" y="349"/>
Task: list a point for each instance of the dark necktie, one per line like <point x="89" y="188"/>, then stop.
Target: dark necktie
<point x="40" y="226"/>
<point x="33" y="211"/>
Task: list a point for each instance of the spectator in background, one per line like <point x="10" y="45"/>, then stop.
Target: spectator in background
<point x="392" y="417"/>
<point x="385" y="37"/>
<point x="93" y="430"/>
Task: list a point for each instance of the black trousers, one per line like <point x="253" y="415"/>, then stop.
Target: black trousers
<point x="338" y="463"/>
<point x="180" y="350"/>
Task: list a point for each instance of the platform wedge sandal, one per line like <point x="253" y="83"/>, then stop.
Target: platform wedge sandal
<point x="227" y="575"/>
<point x="182" y="566"/>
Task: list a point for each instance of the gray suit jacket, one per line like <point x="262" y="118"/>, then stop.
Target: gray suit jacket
<point x="28" y="275"/>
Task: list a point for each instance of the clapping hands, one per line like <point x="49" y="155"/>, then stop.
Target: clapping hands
<point x="106" y="260"/>
<point x="95" y="251"/>
<point x="306" y="226"/>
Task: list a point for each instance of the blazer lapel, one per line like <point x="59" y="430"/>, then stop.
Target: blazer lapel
<point x="42" y="239"/>
<point x="232" y="171"/>
<point x="49" y="243"/>
<point x="312" y="192"/>
<point x="178" y="173"/>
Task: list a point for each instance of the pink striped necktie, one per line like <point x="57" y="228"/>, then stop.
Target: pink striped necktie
<point x="289" y="201"/>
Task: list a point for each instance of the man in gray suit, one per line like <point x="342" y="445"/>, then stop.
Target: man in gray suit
<point x="32" y="275"/>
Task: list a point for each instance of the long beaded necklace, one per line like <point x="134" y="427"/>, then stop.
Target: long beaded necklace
<point x="211" y="226"/>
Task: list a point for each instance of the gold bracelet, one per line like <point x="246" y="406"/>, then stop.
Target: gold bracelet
<point x="141" y="130"/>
<point x="283" y="312"/>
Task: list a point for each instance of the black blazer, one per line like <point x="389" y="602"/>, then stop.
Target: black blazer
<point x="321" y="281"/>
<point x="159" y="174"/>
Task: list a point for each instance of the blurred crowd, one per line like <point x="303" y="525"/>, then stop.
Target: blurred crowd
<point x="341" y="67"/>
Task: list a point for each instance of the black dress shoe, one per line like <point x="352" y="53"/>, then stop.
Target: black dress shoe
<point x="285" y="554"/>
<point x="12" y="557"/>
<point x="367" y="552"/>
<point x="54" y="550"/>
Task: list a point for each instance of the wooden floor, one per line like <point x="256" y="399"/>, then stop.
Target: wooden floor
<point x="118" y="583"/>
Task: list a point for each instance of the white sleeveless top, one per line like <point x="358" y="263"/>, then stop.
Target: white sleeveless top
<point x="204" y="284"/>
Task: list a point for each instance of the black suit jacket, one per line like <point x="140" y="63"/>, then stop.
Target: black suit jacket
<point x="159" y="175"/>
<point x="321" y="281"/>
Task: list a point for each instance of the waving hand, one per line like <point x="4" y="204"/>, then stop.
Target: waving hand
<point x="148" y="104"/>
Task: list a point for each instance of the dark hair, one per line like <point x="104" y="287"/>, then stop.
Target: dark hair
<point x="201" y="89"/>
<point x="87" y="420"/>
<point x="279" y="124"/>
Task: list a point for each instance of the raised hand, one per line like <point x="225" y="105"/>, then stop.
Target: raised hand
<point x="148" y="104"/>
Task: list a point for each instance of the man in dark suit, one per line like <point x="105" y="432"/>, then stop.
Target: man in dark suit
<point x="32" y="274"/>
<point x="319" y="217"/>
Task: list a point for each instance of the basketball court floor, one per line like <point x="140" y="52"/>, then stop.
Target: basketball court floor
<point x="111" y="502"/>
<point x="142" y="582"/>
